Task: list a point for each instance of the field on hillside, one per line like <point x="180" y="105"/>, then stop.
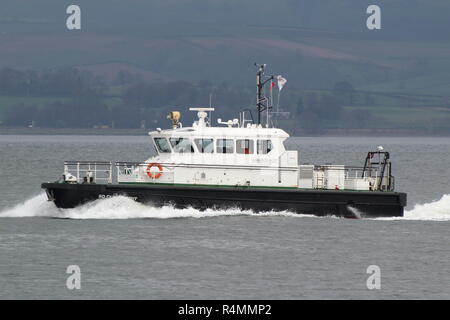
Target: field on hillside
<point x="380" y="110"/>
<point x="307" y="60"/>
<point x="400" y="74"/>
<point x="12" y="101"/>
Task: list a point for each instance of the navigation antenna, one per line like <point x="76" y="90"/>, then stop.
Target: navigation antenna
<point x="262" y="103"/>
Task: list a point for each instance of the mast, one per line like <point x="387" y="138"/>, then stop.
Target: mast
<point x="261" y="100"/>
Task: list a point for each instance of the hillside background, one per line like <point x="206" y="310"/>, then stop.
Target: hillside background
<point x="133" y="61"/>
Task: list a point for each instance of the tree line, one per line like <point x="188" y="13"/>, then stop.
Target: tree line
<point x="78" y="99"/>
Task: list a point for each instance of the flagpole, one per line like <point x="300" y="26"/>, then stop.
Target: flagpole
<point x="271" y="102"/>
<point x="267" y="116"/>
<point x="278" y="108"/>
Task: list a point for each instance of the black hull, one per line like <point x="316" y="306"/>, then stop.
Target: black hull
<point x="315" y="202"/>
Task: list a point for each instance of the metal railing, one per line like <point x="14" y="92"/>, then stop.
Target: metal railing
<point x="102" y="172"/>
<point x="379" y="179"/>
<point x="139" y="172"/>
<point x="88" y="172"/>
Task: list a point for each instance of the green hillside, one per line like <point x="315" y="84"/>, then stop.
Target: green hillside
<point x="400" y="74"/>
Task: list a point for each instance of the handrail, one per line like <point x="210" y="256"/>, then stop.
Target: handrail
<point x="102" y="171"/>
<point x="86" y="162"/>
<point x="88" y="171"/>
<point x="202" y="165"/>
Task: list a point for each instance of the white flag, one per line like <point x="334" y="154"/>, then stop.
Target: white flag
<point x="281" y="82"/>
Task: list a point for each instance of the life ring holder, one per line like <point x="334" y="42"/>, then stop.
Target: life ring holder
<point x="154" y="175"/>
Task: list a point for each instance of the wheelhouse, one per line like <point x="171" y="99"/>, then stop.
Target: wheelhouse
<point x="220" y="145"/>
<point x="240" y="152"/>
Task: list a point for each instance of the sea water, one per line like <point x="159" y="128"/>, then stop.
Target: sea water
<point x="129" y="250"/>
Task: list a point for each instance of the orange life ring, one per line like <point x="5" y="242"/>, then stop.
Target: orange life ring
<point x="154" y="175"/>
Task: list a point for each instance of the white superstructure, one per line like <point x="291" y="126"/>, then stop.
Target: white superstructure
<point x="237" y="153"/>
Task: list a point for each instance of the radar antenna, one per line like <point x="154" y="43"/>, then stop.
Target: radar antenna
<point x="262" y="103"/>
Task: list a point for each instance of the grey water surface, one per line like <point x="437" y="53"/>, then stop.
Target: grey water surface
<point x="138" y="252"/>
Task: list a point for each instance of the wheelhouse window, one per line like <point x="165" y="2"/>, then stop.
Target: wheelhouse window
<point x="264" y="146"/>
<point x="162" y="145"/>
<point x="225" y="146"/>
<point x="181" y="145"/>
<point x="245" y="146"/>
<point x="205" y="145"/>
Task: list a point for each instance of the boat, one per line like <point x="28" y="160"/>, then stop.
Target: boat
<point x="241" y="164"/>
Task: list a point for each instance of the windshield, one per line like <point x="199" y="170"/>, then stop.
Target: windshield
<point x="205" y="145"/>
<point x="225" y="146"/>
<point x="264" y="146"/>
<point x="182" y="145"/>
<point x="162" y="145"/>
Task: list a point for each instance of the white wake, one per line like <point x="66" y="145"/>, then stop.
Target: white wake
<point x="118" y="208"/>
<point x="125" y="208"/>
<point x="438" y="210"/>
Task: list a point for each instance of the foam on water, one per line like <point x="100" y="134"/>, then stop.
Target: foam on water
<point x="37" y="206"/>
<point x="124" y="208"/>
<point x="438" y="210"/>
<point x="118" y="207"/>
<point x="357" y="213"/>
